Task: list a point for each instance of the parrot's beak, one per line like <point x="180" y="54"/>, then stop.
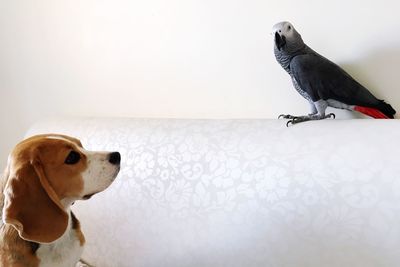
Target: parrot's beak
<point x="279" y="41"/>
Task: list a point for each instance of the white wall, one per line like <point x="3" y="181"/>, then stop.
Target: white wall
<point x="188" y="59"/>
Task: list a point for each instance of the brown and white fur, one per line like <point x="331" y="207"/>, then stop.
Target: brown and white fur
<point x="45" y="174"/>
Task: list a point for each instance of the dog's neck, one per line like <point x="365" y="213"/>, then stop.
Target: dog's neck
<point x="66" y="250"/>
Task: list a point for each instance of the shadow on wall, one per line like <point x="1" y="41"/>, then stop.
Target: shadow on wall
<point x="378" y="72"/>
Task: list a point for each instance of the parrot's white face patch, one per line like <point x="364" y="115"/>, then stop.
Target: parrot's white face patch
<point x="283" y="28"/>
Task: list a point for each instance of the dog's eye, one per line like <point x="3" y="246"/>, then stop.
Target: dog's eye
<point x="72" y="158"/>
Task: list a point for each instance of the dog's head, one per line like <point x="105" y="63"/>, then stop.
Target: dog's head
<point x="45" y="174"/>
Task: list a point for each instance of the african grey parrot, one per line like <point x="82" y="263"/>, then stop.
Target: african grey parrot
<point x="320" y="81"/>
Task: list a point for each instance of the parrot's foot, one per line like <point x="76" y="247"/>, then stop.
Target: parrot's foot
<point x="295" y="120"/>
<point x="287" y="116"/>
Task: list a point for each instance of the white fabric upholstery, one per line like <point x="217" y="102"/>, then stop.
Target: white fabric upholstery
<point x="242" y="192"/>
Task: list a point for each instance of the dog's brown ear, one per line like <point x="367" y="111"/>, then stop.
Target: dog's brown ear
<point x="31" y="205"/>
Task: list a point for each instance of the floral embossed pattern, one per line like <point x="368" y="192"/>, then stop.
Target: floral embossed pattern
<point x="242" y="192"/>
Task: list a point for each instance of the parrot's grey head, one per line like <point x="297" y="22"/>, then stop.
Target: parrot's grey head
<point x="286" y="37"/>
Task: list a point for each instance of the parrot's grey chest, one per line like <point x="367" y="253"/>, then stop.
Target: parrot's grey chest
<point x="299" y="90"/>
<point x="284" y="60"/>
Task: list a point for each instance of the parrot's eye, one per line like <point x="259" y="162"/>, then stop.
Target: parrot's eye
<point x="289" y="28"/>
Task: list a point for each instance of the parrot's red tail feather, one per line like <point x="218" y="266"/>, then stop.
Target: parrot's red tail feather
<point x="372" y="112"/>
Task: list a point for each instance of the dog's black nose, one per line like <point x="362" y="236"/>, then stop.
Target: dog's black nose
<point x="114" y="158"/>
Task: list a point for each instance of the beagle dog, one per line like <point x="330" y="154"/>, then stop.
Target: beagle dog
<point x="45" y="174"/>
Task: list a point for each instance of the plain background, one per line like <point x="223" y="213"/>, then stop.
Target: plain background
<point x="181" y="59"/>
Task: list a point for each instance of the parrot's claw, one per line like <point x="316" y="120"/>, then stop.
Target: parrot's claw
<point x="295" y="120"/>
<point x="292" y="122"/>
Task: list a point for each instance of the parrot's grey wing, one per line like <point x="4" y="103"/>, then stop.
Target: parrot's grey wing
<point x="322" y="79"/>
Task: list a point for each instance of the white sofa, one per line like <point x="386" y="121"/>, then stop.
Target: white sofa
<point x="242" y="192"/>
